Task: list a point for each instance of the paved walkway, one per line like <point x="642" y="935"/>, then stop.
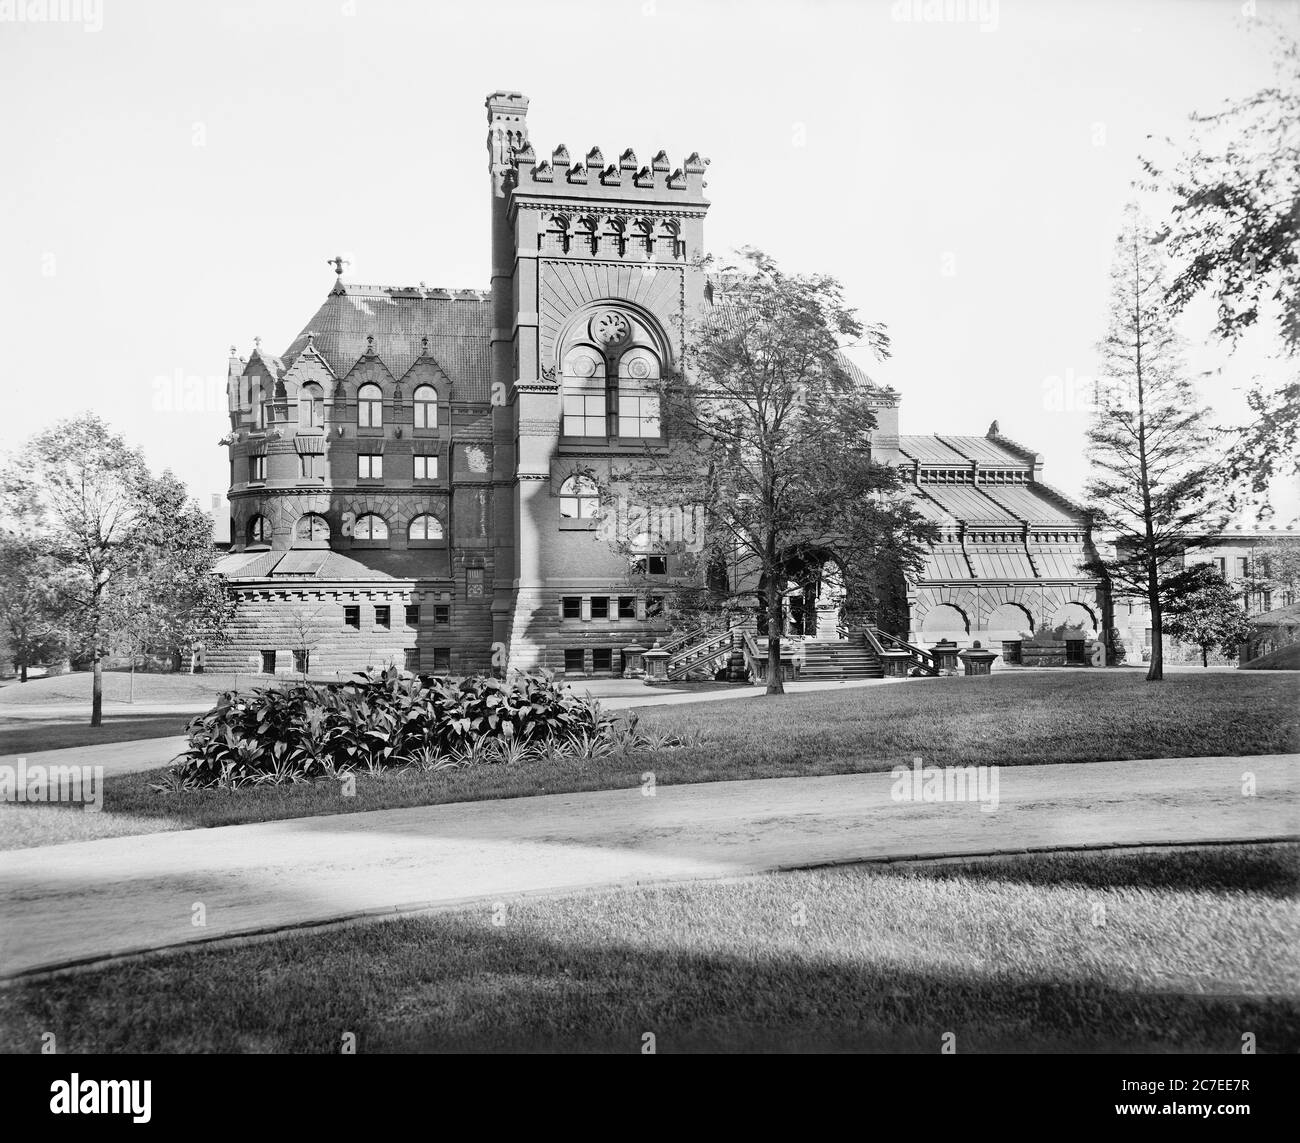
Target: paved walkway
<point x="89" y="901"/>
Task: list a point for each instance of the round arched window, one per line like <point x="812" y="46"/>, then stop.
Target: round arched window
<point x="425" y="400"/>
<point x="426" y="527"/>
<point x="370" y="406"/>
<point x="259" y="530"/>
<point x="579" y="498"/>
<point x="312" y="527"/>
<point x="370" y="527"/>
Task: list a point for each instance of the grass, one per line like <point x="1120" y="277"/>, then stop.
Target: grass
<point x="24" y="735"/>
<point x="1165" y="951"/>
<point x="1005" y="720"/>
<point x="149" y="688"/>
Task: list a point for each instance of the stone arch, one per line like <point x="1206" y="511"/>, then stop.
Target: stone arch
<point x="1072" y="616"/>
<point x="945" y="621"/>
<point x="1009" y="621"/>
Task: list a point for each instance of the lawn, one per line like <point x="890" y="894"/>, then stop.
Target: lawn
<point x="1160" y="951"/>
<point x="24" y="735"/>
<point x="148" y="688"/>
<point x="1008" y="720"/>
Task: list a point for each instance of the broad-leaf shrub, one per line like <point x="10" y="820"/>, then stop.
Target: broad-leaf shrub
<point x="382" y="720"/>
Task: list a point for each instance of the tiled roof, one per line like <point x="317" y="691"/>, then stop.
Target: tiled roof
<point x="321" y="564"/>
<point x="968" y="504"/>
<point x="1278" y="617"/>
<point x="930" y="450"/>
<point x="1029" y="504"/>
<point x="983" y="450"/>
<point x="456" y="322"/>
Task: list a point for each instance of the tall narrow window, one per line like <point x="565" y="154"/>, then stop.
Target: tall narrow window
<point x="638" y="401"/>
<point x="259" y="531"/>
<point x="426" y="467"/>
<point x="579" y="498"/>
<point x="425" y="401"/>
<point x="370" y="466"/>
<point x="257" y="468"/>
<point x="311" y="406"/>
<point x="370" y="406"/>
<point x="583" y="399"/>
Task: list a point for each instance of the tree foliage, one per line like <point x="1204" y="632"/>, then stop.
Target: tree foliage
<point x="1155" y="481"/>
<point x="1206" y="611"/>
<point x="1235" y="232"/>
<point x="28" y="623"/>
<point x="129" y="556"/>
<point x="769" y="433"/>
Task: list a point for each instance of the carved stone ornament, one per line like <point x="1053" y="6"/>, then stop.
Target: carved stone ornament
<point x="610" y="328"/>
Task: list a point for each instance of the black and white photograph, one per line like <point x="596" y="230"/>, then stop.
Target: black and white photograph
<point x="650" y="527"/>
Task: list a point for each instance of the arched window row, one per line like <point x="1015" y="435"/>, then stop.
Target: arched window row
<point x="369" y="527"/>
<point x="270" y="404"/>
<point x="595" y="403"/>
<point x="618" y="233"/>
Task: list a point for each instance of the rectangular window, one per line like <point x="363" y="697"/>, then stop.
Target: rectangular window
<point x="651" y="565"/>
<point x="412" y="658"/>
<point x="627" y="606"/>
<point x="442" y="615"/>
<point x="442" y="660"/>
<point x="257" y="468"/>
<point x="370" y="466"/>
<point x="600" y="607"/>
<point x="383" y="617"/>
<point x="602" y="659"/>
<point x="352" y="617"/>
<point x="308" y="466"/>
<point x="426" y="467"/>
<point x="268" y="662"/>
<point x="1243" y="567"/>
<point x="412" y="615"/>
<point x="638" y="415"/>
<point x="1221" y="563"/>
<point x="573" y="661"/>
<point x="583" y="405"/>
<point x="301" y="659"/>
<point x="571" y="607"/>
<point x="654" y="605"/>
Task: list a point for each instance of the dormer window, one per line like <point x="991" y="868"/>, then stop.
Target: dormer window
<point x="425" y="400"/>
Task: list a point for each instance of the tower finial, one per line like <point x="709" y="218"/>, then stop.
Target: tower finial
<point x="338" y="262"/>
<point x="257" y="345"/>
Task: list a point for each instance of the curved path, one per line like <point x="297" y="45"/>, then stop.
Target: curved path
<point x="90" y="901"/>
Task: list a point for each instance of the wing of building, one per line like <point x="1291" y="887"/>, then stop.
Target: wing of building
<point x="412" y="478"/>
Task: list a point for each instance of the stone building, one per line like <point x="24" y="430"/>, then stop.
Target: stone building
<point x="413" y="480"/>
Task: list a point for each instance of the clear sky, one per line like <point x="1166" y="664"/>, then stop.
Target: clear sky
<point x="175" y="175"/>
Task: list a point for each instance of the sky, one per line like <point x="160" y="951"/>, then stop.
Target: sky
<point x="174" y="177"/>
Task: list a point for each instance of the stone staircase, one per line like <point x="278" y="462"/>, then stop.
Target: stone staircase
<point x="840" y="660"/>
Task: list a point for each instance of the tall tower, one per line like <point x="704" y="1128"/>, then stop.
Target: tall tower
<point x="594" y="271"/>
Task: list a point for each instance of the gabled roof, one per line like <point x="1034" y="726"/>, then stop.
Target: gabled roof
<point x="457" y="324"/>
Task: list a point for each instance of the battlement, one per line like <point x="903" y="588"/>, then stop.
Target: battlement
<point x="625" y="180"/>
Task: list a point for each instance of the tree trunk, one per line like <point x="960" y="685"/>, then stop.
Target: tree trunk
<point x="97" y="690"/>
<point x="1205" y="657"/>
<point x="1156" y="672"/>
<point x="130" y="694"/>
<point x="775" y="629"/>
<point x="22" y="673"/>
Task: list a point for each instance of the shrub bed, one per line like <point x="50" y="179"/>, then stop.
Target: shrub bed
<point x="392" y="719"/>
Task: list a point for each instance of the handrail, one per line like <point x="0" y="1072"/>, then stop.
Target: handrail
<point x="682" y="640"/>
<point x="698" y="653"/>
<point x="922" y="658"/>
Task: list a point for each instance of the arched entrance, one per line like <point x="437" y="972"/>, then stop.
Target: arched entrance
<point x="813" y="596"/>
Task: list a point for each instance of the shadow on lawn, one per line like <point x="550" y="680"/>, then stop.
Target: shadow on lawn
<point x="1272" y="871"/>
<point x="456" y="983"/>
<point x="26" y="735"/>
